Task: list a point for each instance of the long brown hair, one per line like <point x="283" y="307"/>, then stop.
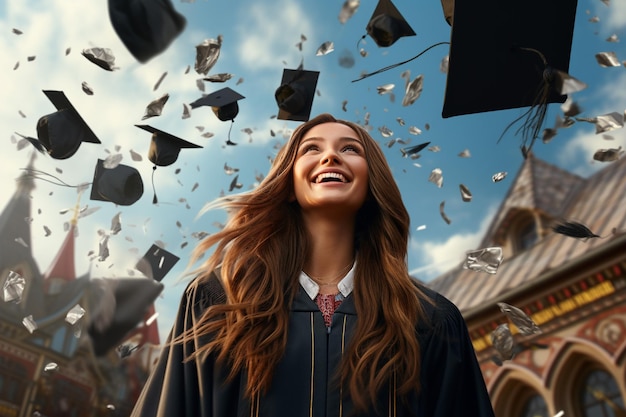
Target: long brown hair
<point x="260" y="253"/>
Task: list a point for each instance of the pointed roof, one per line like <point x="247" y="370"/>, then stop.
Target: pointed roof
<point x="15" y="236"/>
<point x="63" y="264"/>
<point x="538" y="186"/>
<point x="599" y="202"/>
<point x="16" y="247"/>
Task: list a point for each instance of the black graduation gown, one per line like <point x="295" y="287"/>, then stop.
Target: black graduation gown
<point x="302" y="385"/>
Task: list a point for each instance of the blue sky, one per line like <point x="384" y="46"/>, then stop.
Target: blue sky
<point x="259" y="40"/>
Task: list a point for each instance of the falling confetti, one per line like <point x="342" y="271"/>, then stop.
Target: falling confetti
<point x="51" y="367"/>
<point x="112" y="161"/>
<point x="207" y="54"/>
<point x="86" y="88"/>
<point x="218" y="78"/>
<point x="466" y="195"/>
<point x="436" y="177"/>
<point x="521" y="320"/>
<point x="135" y="156"/>
<point x="609" y="122"/>
<point x="484" y="260"/>
<point x="76" y="313"/>
<point x="348" y="9"/>
<point x="13" y="288"/>
<point x="102" y="57"/>
<point x="325" y="48"/>
<point x="413" y="91"/>
<point x="442" y="212"/>
<point x="159" y="81"/>
<point x="155" y="108"/>
<point x="608" y="155"/>
<point x="499" y="176"/>
<point x="29" y="323"/>
<point x="502" y="341"/>
<point x="607" y="59"/>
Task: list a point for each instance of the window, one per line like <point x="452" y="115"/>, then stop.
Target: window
<point x="599" y="395"/>
<point x="535" y="407"/>
<point x="526" y="235"/>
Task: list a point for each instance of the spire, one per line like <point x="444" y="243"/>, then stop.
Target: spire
<point x="15" y="233"/>
<point x="62" y="270"/>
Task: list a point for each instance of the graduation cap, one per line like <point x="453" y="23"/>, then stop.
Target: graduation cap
<point x="120" y="185"/>
<point x="295" y="94"/>
<point x="156" y="263"/>
<point x="508" y="55"/>
<point x="223" y="102"/>
<point x="62" y="132"/>
<point x="387" y="25"/>
<point x="165" y="147"/>
<point x="133" y="298"/>
<point x="146" y="27"/>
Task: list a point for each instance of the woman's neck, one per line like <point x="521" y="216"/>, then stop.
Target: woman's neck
<point x="331" y="248"/>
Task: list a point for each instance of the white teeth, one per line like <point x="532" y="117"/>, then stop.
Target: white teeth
<point x="330" y="175"/>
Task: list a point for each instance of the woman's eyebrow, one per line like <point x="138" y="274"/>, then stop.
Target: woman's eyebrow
<point x="341" y="139"/>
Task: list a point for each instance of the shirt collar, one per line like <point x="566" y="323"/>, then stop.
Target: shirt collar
<point x="346" y="285"/>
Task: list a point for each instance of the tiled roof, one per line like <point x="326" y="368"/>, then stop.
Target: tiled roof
<point x="598" y="202"/>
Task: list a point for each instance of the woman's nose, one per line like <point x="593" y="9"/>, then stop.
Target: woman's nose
<point x="330" y="155"/>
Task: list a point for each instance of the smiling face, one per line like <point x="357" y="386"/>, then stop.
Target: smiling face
<point x="330" y="170"/>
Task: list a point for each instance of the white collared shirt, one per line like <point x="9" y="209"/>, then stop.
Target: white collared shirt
<point x="346" y="285"/>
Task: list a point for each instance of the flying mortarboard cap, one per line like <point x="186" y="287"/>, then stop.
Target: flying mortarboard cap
<point x="156" y="263"/>
<point x="165" y="147"/>
<point x="120" y="185"/>
<point x="223" y="102"/>
<point x="295" y="94"/>
<point x="62" y="132"/>
<point x="133" y="297"/>
<point x="503" y="54"/>
<point x="146" y="27"/>
<point x="387" y="25"/>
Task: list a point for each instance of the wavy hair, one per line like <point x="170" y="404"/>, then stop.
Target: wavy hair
<point x="261" y="252"/>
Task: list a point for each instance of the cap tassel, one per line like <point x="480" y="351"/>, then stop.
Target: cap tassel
<point x="534" y="117"/>
<point x="400" y="63"/>
<point x="154" y="196"/>
<point x="228" y="141"/>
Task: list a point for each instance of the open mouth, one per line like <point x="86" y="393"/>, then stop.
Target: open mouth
<point x="330" y="177"/>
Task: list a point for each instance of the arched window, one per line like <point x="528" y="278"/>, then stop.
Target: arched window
<point x="526" y="235"/>
<point x="599" y="395"/>
<point x="535" y="406"/>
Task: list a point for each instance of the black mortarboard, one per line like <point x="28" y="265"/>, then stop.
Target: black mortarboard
<point x="223" y="102"/>
<point x="165" y="147"/>
<point x="147" y="27"/>
<point x="120" y="185"/>
<point x="387" y="25"/>
<point x="62" y="132"/>
<point x="295" y="94"/>
<point x="502" y="54"/>
<point x="156" y="263"/>
<point x="133" y="298"/>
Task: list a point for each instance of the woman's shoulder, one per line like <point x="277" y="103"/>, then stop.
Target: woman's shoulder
<point x="205" y="290"/>
<point x="438" y="310"/>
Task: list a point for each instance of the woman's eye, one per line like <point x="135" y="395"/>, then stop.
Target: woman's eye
<point x="351" y="148"/>
<point x="309" y="148"/>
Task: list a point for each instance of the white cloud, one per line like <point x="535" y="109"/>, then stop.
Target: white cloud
<point x="438" y="257"/>
<point x="586" y="142"/>
<point x="269" y="32"/>
<point x="616" y="16"/>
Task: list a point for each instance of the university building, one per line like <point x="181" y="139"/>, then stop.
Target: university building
<point x="574" y="289"/>
<point x="51" y="370"/>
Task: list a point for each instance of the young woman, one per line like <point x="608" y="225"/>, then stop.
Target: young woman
<point x="306" y="308"/>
